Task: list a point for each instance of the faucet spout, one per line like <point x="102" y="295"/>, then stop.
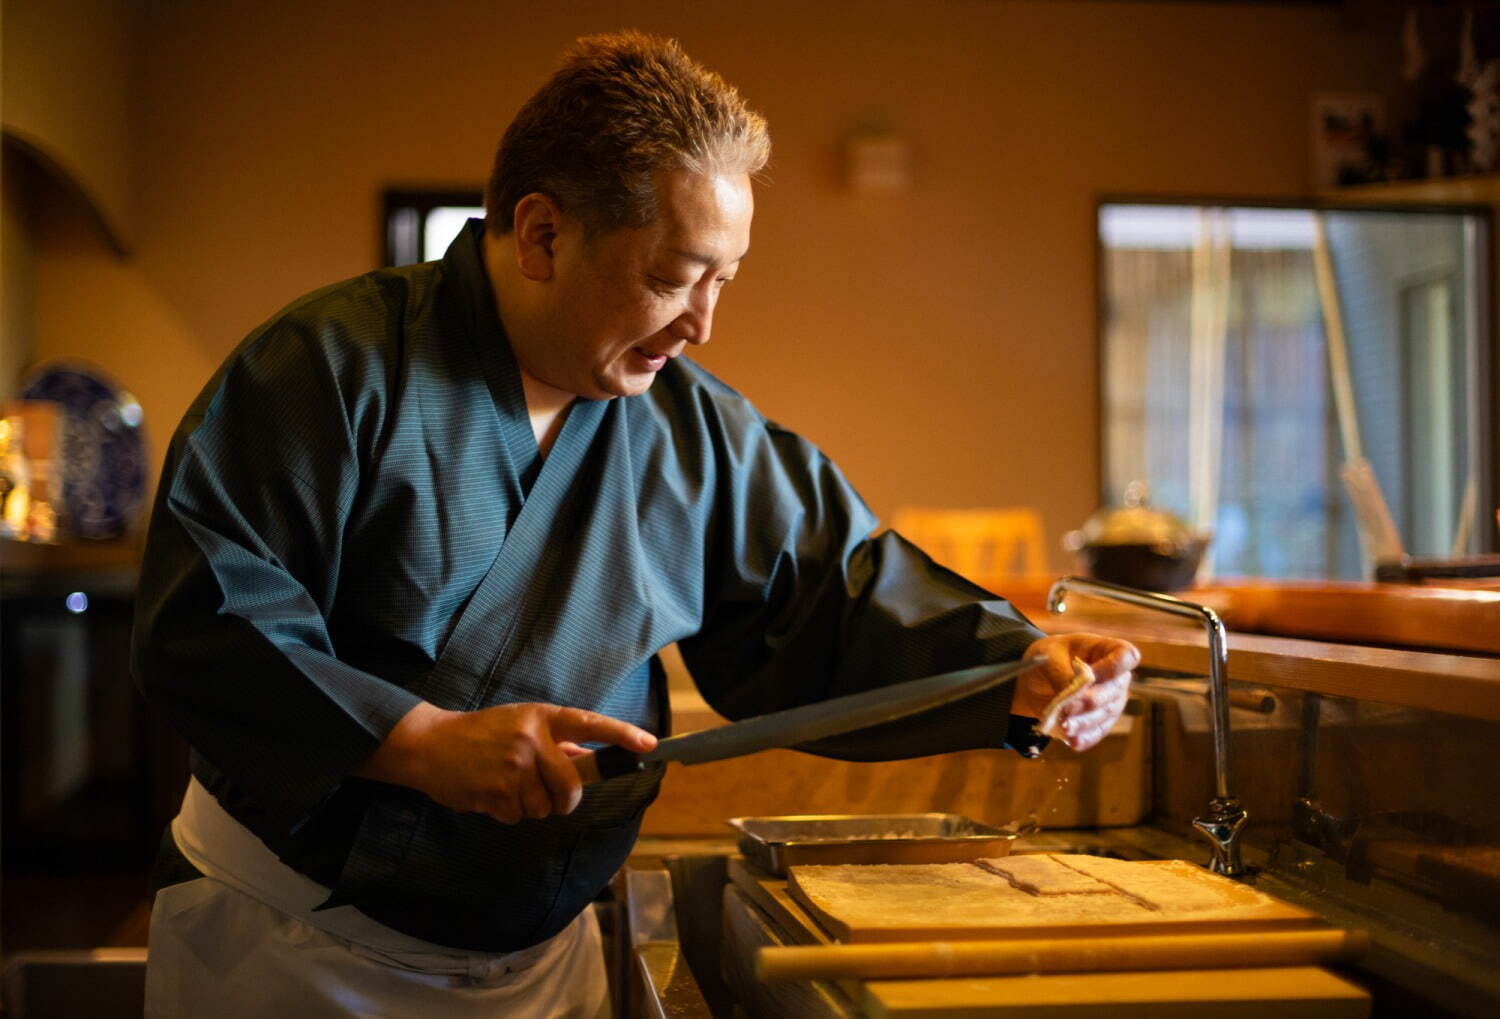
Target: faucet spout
<point x="1225" y="818"/>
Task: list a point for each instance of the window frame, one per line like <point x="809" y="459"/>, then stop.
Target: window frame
<point x="1483" y="386"/>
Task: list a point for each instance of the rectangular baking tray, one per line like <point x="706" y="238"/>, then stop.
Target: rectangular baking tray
<point x="776" y="843"/>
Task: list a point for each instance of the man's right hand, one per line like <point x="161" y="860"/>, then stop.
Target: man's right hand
<point x="510" y="762"/>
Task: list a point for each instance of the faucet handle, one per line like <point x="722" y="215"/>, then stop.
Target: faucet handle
<point x="1221" y="826"/>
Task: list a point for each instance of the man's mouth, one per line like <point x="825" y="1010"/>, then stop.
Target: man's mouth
<point x="653" y="360"/>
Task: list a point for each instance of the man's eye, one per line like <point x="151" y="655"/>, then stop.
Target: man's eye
<point x="666" y="285"/>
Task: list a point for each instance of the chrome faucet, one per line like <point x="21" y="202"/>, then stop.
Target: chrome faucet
<point x="1225" y="818"/>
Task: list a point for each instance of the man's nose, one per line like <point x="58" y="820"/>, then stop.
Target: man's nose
<point x="696" y="323"/>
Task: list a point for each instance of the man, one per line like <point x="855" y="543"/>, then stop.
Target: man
<point x="422" y="535"/>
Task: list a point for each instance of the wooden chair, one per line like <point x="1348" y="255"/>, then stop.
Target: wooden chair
<point x="978" y="543"/>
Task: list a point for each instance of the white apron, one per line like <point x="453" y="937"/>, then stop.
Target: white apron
<point x="243" y="941"/>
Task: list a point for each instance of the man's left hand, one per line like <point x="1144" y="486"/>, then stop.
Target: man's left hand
<point x="1088" y="718"/>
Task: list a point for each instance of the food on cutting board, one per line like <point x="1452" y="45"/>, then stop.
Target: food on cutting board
<point x="1043" y="874"/>
<point x="1156" y="887"/>
<point x="880" y="894"/>
<point x="1010" y="896"/>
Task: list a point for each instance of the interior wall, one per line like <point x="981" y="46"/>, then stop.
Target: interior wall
<point x="68" y="79"/>
<point x="940" y="344"/>
<point x="17" y="271"/>
<point x="95" y="306"/>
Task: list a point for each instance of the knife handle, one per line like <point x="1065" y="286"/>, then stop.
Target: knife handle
<point x="607" y="762"/>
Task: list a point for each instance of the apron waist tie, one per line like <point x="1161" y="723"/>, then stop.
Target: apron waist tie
<point x="226" y="851"/>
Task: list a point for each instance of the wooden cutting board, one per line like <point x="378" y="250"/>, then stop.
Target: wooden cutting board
<point x="1291" y="992"/>
<point x="964" y="901"/>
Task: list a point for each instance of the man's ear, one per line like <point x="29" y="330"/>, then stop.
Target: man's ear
<point x="537" y="221"/>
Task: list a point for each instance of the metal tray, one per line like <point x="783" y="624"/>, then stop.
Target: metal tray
<point x="776" y="843"/>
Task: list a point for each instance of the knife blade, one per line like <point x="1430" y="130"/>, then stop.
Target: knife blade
<point x="806" y="723"/>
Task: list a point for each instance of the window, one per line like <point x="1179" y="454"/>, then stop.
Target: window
<point x="419" y="225"/>
<point x="1222" y="391"/>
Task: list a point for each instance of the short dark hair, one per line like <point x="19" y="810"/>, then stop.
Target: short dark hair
<point x="621" y="108"/>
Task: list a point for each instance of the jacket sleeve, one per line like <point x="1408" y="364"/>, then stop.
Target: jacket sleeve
<point x="240" y="572"/>
<point x="804" y="605"/>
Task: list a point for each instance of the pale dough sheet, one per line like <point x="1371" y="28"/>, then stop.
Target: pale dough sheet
<point x="959" y="894"/>
<point x="1028" y="891"/>
<point x="1176" y="887"/>
<point x="1041" y="874"/>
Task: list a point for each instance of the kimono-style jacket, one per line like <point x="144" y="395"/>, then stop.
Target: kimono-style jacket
<point x="353" y="517"/>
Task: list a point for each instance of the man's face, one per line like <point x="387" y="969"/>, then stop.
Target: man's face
<point x="628" y="301"/>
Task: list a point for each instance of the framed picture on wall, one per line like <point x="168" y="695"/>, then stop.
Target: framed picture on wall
<point x="1348" y="139"/>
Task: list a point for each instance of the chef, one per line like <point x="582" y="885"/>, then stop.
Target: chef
<point x="420" y="539"/>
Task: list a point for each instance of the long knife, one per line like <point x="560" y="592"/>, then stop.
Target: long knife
<point x="807" y="723"/>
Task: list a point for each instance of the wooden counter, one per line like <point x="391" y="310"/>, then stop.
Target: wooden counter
<point x="1408" y="615"/>
<point x="1344" y="659"/>
<point x="1459" y="684"/>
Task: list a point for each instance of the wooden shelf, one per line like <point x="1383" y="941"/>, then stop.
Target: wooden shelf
<point x="1476" y="189"/>
<point x="104" y="567"/>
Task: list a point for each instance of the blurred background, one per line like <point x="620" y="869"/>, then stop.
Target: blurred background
<point x="197" y="166"/>
<point x="933" y="294"/>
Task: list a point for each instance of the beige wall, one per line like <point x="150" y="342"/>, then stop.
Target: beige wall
<point x="940" y="345"/>
<point x="68" y="76"/>
<point x="66" y="81"/>
<point x="93" y="305"/>
<point x="17" y="274"/>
